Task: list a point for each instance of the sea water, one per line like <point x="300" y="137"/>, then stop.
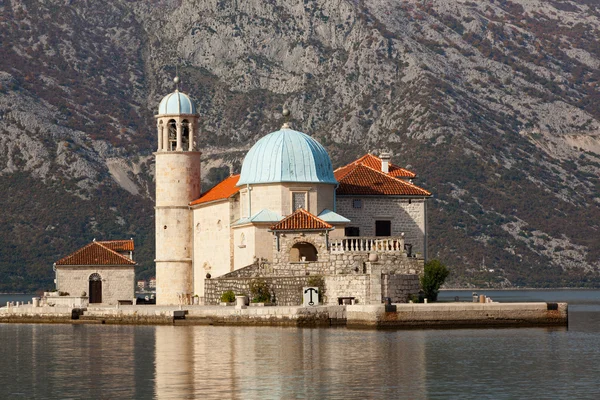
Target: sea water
<point x="208" y="362"/>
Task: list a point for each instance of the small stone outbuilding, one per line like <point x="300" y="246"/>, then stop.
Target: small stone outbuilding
<point x="102" y="270"/>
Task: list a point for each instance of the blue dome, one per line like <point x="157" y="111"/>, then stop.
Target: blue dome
<point x="176" y="103"/>
<point x="287" y="156"/>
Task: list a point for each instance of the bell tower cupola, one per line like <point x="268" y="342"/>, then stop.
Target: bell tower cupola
<point x="177" y="184"/>
<point x="177" y="122"/>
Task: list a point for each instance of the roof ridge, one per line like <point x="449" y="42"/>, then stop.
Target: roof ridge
<point x="91" y="244"/>
<point x="390" y="178"/>
<point x="77" y="251"/>
<point x="306" y="213"/>
<point x="113" y="251"/>
<point x="404" y="182"/>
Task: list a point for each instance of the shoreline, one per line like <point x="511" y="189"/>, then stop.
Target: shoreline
<point x="396" y="316"/>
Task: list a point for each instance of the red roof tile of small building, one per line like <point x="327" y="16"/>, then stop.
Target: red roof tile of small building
<point x="223" y="190"/>
<point x="118" y="245"/>
<point x="95" y="253"/>
<point x="301" y="220"/>
<point x="364" y="180"/>
<point x="374" y="162"/>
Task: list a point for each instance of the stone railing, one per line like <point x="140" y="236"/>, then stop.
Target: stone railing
<point x="390" y="244"/>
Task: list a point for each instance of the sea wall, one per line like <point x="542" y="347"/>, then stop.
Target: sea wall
<point x="454" y="315"/>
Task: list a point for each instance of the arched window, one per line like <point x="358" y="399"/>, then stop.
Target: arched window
<point x="172" y="135"/>
<point x="303" y="251"/>
<point x="95" y="277"/>
<point x="185" y="135"/>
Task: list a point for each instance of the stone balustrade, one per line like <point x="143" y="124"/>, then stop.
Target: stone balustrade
<point x="391" y="244"/>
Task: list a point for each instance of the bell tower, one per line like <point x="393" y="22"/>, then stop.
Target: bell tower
<point x="177" y="184"/>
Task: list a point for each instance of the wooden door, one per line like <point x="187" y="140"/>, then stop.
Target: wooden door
<point x="96" y="291"/>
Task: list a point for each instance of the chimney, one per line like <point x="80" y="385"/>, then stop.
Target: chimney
<point x="385" y="162"/>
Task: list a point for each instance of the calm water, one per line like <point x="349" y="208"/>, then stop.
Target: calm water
<point x="204" y="362"/>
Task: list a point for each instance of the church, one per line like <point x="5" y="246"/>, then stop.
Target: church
<point x="289" y="213"/>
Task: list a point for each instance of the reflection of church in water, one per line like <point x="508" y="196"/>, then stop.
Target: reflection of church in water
<point x="288" y="208"/>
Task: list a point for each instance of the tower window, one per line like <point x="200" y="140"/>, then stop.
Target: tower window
<point x="185" y="135"/>
<point x="172" y="135"/>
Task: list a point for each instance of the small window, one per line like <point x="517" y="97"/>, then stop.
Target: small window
<point x="298" y="200"/>
<point x="244" y="205"/>
<point x="383" y="228"/>
<point x="357" y="203"/>
<point x="352" y="231"/>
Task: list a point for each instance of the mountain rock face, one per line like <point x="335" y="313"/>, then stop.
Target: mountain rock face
<point x="495" y="105"/>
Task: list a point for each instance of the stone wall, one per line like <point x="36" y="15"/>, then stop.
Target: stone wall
<point x="405" y="218"/>
<point x="399" y="287"/>
<point x="118" y="283"/>
<point x="337" y="263"/>
<point x="366" y="288"/>
<point x="287" y="290"/>
<point x="357" y="286"/>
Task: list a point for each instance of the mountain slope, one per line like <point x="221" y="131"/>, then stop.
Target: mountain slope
<point x="494" y="105"/>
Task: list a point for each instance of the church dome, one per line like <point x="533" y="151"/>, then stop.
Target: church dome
<point x="176" y="103"/>
<point x="287" y="156"/>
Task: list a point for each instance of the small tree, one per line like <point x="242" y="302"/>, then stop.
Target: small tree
<point x="434" y="277"/>
<point x="260" y="290"/>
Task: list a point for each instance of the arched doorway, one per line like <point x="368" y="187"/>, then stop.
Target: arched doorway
<point x="303" y="251"/>
<point x="95" y="288"/>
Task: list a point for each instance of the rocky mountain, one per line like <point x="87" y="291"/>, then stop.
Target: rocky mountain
<point x="495" y="104"/>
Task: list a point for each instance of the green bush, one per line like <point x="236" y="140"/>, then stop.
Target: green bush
<point x="228" y="296"/>
<point x="434" y="277"/>
<point x="261" y="293"/>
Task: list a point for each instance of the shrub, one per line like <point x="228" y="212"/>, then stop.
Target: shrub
<point x="260" y="291"/>
<point x="228" y="296"/>
<point x="434" y="277"/>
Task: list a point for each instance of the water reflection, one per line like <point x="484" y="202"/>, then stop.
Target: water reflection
<point x="218" y="362"/>
<point x="206" y="362"/>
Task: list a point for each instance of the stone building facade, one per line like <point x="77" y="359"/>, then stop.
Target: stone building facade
<point x="103" y="271"/>
<point x="288" y="209"/>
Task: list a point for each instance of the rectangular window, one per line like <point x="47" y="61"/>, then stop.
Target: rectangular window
<point x="298" y="200"/>
<point x="383" y="228"/>
<point x="357" y="203"/>
<point x="352" y="231"/>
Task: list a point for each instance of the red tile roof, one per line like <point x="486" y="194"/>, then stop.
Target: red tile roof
<point x="301" y="220"/>
<point x="375" y="162"/>
<point x="118" y="245"/>
<point x="223" y="190"/>
<point x="95" y="253"/>
<point x="364" y="180"/>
